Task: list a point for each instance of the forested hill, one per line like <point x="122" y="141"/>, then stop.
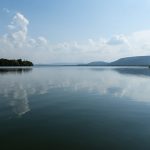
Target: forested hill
<point x="13" y="62"/>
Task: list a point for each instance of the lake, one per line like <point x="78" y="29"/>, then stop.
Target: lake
<point x="75" y="108"/>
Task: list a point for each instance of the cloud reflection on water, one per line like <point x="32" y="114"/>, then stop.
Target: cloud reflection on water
<point x="117" y="82"/>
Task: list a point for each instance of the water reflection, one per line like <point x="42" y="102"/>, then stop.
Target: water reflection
<point x="19" y="102"/>
<point x="116" y="82"/>
<point x="14" y="70"/>
<point x="16" y="97"/>
<point x="145" y="71"/>
<point x="134" y="71"/>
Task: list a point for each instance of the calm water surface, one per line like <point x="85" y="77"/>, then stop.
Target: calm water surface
<point x="75" y="108"/>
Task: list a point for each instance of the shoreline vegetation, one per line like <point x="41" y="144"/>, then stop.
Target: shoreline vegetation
<point x="15" y="62"/>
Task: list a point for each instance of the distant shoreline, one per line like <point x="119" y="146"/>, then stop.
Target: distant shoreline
<point x="49" y="65"/>
<point x="136" y="61"/>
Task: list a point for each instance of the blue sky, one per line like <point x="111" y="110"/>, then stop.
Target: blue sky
<point x="60" y="21"/>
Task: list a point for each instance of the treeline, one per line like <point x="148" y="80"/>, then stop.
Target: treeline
<point x="13" y="62"/>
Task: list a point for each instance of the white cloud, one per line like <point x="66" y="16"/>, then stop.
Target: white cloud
<point x="42" y="40"/>
<point x="20" y="21"/>
<point x="11" y="27"/>
<point x="118" y="40"/>
<point x="17" y="43"/>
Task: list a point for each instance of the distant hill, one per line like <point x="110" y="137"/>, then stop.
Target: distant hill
<point x="98" y="63"/>
<point x="127" y="61"/>
<point x="132" y="61"/>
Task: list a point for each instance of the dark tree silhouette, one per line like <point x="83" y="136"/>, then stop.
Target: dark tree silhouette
<point x="13" y="62"/>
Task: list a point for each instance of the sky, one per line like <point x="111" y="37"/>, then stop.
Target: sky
<point x="58" y="31"/>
